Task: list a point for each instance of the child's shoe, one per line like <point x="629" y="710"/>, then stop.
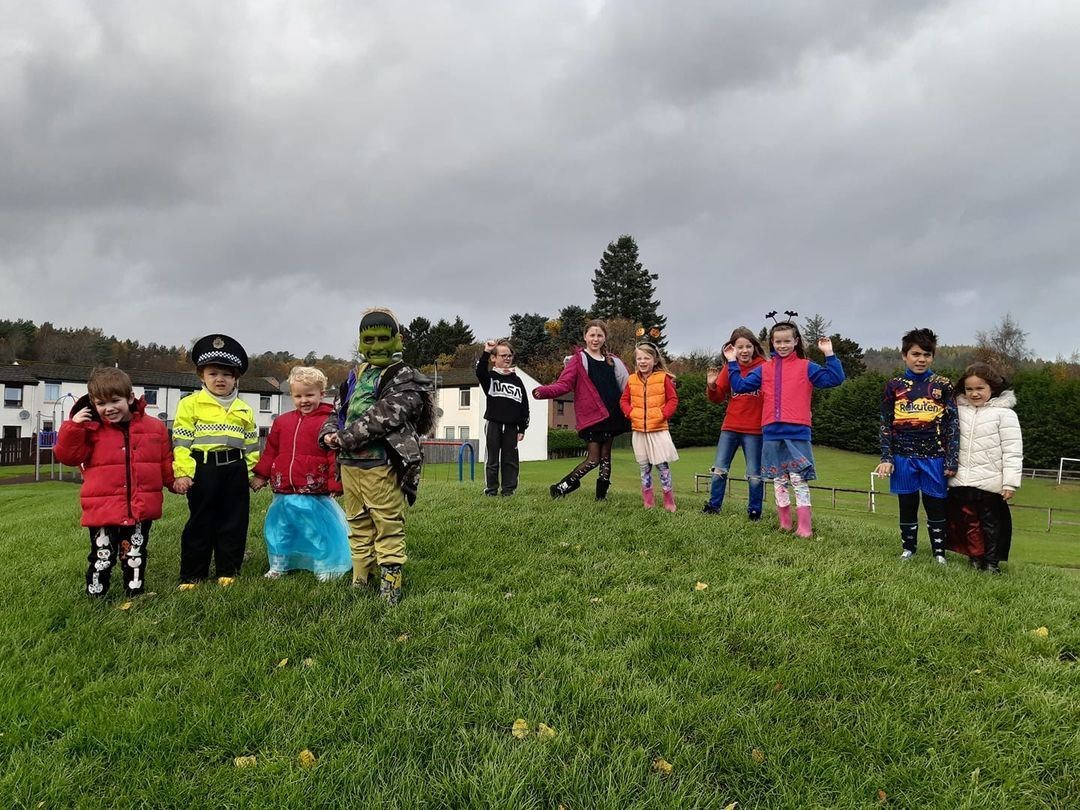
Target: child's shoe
<point x="940" y="559"/>
<point x="564" y="487"/>
<point x="669" y="500"/>
<point x="391" y="579"/>
<point x="709" y="509"/>
<point x="992" y="568"/>
<point x="647" y="497"/>
<point x="906" y="554"/>
<point x="187" y="586"/>
<point x="805" y="522"/>
<point x="225" y="582"/>
<point x="602" y="486"/>
<point x="753" y="516"/>
<point x="274" y="573"/>
<point x="784" y="513"/>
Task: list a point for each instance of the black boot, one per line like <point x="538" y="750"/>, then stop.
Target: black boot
<point x="602" y="486"/>
<point x="564" y="487"/>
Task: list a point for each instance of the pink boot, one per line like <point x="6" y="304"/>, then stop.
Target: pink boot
<point x="669" y="500"/>
<point x="647" y="497"/>
<point x="785" y="517"/>
<point x="804" y="529"/>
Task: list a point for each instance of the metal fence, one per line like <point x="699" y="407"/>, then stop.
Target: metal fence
<point x="866" y="500"/>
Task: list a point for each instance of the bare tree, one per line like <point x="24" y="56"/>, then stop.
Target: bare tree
<point x="1004" y="346"/>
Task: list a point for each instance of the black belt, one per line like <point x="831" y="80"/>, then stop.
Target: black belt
<point x="218" y="457"/>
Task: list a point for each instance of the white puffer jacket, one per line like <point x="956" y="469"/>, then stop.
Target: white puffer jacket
<point x="991" y="446"/>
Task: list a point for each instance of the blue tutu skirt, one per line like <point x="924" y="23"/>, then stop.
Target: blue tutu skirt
<point x="784" y="456"/>
<point x="309" y="533"/>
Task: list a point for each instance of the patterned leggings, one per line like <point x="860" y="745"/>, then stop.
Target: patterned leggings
<point x="597" y="455"/>
<point x="665" y="475"/>
<point x="796" y="482"/>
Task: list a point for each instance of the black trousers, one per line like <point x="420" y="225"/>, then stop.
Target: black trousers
<point x="117" y="545"/>
<point x="502" y="456"/>
<point x="218" y="501"/>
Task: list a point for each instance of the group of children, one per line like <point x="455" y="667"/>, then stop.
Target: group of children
<point x="372" y="438"/>
<point x="961" y="454"/>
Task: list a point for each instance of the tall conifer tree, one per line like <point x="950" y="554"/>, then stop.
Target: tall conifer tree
<point x="624" y="288"/>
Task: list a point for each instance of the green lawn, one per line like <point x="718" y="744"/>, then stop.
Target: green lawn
<point x="806" y="674"/>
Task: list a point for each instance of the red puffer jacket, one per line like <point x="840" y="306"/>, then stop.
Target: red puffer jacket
<point x="122" y="479"/>
<point x="292" y="460"/>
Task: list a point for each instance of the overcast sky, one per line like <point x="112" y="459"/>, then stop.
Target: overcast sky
<point x="268" y="169"/>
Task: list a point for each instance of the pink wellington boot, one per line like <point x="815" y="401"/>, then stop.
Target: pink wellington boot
<point x="669" y="500"/>
<point x="804" y="529"/>
<point x="785" y="517"/>
<point x="647" y="497"/>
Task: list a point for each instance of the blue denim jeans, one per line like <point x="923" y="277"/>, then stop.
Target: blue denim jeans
<point x="729" y="442"/>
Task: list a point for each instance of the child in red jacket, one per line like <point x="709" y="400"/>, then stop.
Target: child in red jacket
<point x="126" y="460"/>
<point x="305" y="529"/>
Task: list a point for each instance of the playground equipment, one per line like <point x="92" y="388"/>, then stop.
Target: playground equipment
<point x="46" y="439"/>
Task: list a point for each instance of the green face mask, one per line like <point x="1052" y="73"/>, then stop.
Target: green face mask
<point x="379" y="344"/>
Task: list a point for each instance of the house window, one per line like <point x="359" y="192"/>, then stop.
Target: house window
<point x="150" y="394"/>
<point x="47" y="426"/>
<point x="560" y="408"/>
<point x="450" y="433"/>
<point x="463" y="433"/>
<point x="52" y="391"/>
<point x="464" y="397"/>
<point x="264" y="403"/>
<point x="12" y="431"/>
<point x="13" y="396"/>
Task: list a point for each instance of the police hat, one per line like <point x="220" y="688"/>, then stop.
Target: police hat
<point x="219" y="350"/>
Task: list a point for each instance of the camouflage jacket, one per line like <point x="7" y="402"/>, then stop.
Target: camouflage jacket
<point x="404" y="410"/>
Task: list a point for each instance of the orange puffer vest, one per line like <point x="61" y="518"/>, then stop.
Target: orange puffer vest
<point x="647" y="402"/>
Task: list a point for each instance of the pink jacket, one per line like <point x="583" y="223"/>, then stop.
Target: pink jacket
<point x="786" y="391"/>
<point x="589" y="409"/>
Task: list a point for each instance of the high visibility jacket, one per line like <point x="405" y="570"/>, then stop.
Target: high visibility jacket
<point x="202" y="424"/>
<point x="650" y="402"/>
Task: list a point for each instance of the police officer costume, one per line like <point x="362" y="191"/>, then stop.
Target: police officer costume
<point x="215" y="443"/>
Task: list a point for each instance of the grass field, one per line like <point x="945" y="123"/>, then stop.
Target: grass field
<point x="806" y="674"/>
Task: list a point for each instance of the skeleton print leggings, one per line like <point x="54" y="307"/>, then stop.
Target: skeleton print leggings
<point x="112" y="545"/>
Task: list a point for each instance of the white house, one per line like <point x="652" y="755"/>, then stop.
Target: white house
<point x="461" y="403"/>
<point x="39" y="396"/>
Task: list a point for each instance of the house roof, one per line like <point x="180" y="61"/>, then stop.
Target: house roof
<point x="165" y="379"/>
<point x="457" y="377"/>
<point x="17" y="374"/>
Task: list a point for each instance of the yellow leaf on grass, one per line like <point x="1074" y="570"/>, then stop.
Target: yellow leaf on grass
<point x="732" y="806"/>
<point x="520" y="729"/>
<point x="596" y="600"/>
<point x="757" y="755"/>
<point x="882" y="796"/>
<point x="308" y="662"/>
<point x="306" y="758"/>
<point x="1040" y="632"/>
<point x="187" y="586"/>
<point x="402" y="638"/>
<point x="282" y="663"/>
<point x="701" y="586"/>
<point x="663" y="767"/>
<point x="126" y="606"/>
<point x="152" y="593"/>
<point x="244" y="762"/>
<point x="508" y="595"/>
<point x="545" y="732"/>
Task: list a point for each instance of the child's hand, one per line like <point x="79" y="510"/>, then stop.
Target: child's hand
<point x="950" y="473"/>
<point x="182" y="485"/>
<point x="85" y="415"/>
<point x="521" y="437"/>
<point x="884" y="468"/>
<point x="489" y="346"/>
<point x="825" y="344"/>
<point x="711" y="376"/>
<point x="729" y="352"/>
<point x="257" y="483"/>
<point x="1007" y="494"/>
<point x="331" y="440"/>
